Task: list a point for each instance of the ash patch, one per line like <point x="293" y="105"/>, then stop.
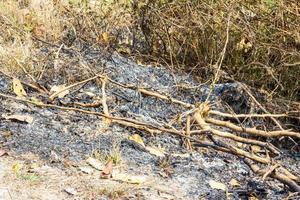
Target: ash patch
<point x="57" y="135"/>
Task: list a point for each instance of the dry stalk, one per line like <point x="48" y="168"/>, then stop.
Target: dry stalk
<point x="260" y="106"/>
<point x="107" y="121"/>
<point x="187" y="142"/>
<point x="220" y="60"/>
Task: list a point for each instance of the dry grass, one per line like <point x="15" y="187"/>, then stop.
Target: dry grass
<point x="263" y="46"/>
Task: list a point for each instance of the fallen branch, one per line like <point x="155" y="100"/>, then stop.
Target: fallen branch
<point x="214" y="112"/>
<point x="269" y="171"/>
<point x="199" y="116"/>
<point x="205" y="126"/>
<point x="274" y="174"/>
<point x="252" y="131"/>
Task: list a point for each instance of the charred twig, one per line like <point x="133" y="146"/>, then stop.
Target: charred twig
<point x="261" y="107"/>
<point x="164" y="97"/>
<point x="84" y="105"/>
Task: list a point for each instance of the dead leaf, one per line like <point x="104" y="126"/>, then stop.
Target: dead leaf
<point x="156" y="151"/>
<point x="217" y="185"/>
<point x="90" y="94"/>
<point x="138" y="139"/>
<point x="17" y="167"/>
<point x="18" y="88"/>
<point x="68" y="163"/>
<point x="71" y="191"/>
<point x="3" y="152"/>
<point x="253" y="198"/>
<point x="106" y="172"/>
<point x="86" y="169"/>
<point x="95" y="163"/>
<point x="234" y="183"/>
<point x="59" y="91"/>
<point x="39" y="31"/>
<point x="184" y="155"/>
<point x="6" y="134"/>
<point x="123" y="50"/>
<point x="22" y="118"/>
<point x="104" y="38"/>
<point x="129" y="178"/>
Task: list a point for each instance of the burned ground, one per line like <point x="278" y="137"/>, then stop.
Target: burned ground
<point x="57" y="137"/>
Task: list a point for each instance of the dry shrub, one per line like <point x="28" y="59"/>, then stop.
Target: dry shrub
<point x="20" y="21"/>
<point x="56" y="22"/>
<point x="263" y="47"/>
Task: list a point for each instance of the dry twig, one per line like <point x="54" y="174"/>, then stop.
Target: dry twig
<point x="104" y="104"/>
<point x="276" y="175"/>
<point x="54" y="95"/>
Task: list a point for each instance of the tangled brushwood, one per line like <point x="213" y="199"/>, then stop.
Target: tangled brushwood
<point x="198" y="126"/>
<point x="263" y="47"/>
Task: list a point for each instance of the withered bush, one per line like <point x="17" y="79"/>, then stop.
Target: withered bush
<point x="263" y="47"/>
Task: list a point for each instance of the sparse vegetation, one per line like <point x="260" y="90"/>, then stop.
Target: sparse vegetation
<point x="114" y="155"/>
<point x="113" y="192"/>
